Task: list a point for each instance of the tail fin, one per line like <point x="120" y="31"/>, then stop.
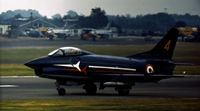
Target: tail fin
<point x="165" y="48"/>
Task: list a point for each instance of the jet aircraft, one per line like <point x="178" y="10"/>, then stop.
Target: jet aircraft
<point x="71" y="64"/>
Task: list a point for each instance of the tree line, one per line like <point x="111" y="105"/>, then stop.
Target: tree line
<point x="160" y="22"/>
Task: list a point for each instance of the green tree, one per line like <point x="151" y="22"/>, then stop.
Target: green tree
<point x="56" y="16"/>
<point x="57" y="20"/>
<point x="98" y="18"/>
<point x="1" y="19"/>
<point x="180" y="24"/>
<point x="84" y="21"/>
<point x="18" y="16"/>
<point x="155" y="22"/>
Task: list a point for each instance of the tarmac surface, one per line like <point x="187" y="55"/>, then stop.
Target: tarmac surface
<point x="17" y="88"/>
<point x="15" y="43"/>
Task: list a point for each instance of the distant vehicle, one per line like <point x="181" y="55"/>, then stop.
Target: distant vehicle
<point x="102" y="33"/>
<point x="190" y="34"/>
<point x="95" y="34"/>
<point x="35" y="33"/>
<point x="44" y="31"/>
<point x="62" y="33"/>
<point x="87" y="35"/>
<point x="70" y="64"/>
<point x="23" y="34"/>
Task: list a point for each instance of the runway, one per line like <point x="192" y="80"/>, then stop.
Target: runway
<point x="17" y="88"/>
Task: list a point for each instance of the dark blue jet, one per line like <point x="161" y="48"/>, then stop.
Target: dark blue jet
<point x="70" y="64"/>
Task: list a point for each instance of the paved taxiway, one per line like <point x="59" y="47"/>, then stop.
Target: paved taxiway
<point x="12" y="88"/>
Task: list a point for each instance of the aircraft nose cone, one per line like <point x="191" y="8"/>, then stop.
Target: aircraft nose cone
<point x="31" y="64"/>
<point x="35" y="63"/>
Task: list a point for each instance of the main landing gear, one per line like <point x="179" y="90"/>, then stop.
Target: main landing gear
<point x="61" y="91"/>
<point x="123" y="91"/>
<point x="90" y="88"/>
<point x="122" y="87"/>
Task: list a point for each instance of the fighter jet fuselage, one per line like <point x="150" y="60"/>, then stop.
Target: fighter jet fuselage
<point x="98" y="66"/>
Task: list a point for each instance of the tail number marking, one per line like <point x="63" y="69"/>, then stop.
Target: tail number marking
<point x="167" y="45"/>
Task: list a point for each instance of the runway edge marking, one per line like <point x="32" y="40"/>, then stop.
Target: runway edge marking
<point x="8" y="86"/>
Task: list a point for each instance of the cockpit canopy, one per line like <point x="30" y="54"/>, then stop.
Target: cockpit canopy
<point x="68" y="51"/>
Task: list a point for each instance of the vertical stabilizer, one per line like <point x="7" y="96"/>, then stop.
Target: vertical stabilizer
<point x="165" y="48"/>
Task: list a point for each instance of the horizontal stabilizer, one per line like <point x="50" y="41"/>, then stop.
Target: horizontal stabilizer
<point x="184" y="64"/>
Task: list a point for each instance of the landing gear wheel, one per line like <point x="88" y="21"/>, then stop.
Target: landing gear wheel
<point x="61" y="91"/>
<point x="123" y="91"/>
<point x="90" y="89"/>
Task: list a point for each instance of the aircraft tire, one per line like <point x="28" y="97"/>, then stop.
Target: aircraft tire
<point x="123" y="91"/>
<point x="91" y="89"/>
<point x="61" y="91"/>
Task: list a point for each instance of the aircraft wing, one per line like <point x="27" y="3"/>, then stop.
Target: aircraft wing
<point x="143" y="75"/>
<point x="187" y="64"/>
<point x="140" y="77"/>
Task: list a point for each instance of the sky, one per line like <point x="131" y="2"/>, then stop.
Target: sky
<point x="112" y="7"/>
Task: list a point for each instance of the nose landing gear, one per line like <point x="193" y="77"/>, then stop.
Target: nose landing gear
<point x="61" y="91"/>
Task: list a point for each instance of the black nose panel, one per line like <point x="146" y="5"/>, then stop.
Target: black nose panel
<point x="32" y="64"/>
<point x="29" y="64"/>
<point x="36" y="63"/>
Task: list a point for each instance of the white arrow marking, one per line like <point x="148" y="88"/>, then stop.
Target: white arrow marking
<point x="77" y="65"/>
<point x="64" y="65"/>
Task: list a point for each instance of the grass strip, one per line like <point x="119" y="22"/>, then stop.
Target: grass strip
<point x="15" y="70"/>
<point x="102" y="104"/>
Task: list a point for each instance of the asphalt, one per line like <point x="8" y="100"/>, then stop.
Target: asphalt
<point x="17" y="88"/>
<point x="9" y="43"/>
